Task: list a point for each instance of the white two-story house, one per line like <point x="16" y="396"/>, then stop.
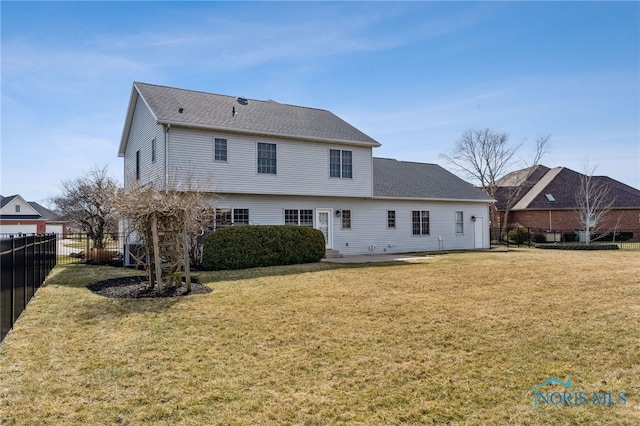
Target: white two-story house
<point x="264" y="162"/>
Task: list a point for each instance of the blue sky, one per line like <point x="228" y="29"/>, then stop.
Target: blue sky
<point x="412" y="75"/>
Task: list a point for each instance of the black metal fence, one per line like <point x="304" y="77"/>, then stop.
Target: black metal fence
<point x="25" y="262"/>
<point x="625" y="239"/>
<point x="80" y="248"/>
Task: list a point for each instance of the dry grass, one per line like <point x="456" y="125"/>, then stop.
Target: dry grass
<point x="454" y="339"/>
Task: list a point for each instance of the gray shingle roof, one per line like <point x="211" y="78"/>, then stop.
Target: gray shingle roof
<point x="404" y="179"/>
<point x="208" y="110"/>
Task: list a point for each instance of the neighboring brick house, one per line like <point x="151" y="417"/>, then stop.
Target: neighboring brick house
<point x="18" y="216"/>
<point x="548" y="200"/>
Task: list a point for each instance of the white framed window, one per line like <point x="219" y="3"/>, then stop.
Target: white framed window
<point x="267" y="160"/>
<point x="391" y="219"/>
<point x="340" y="163"/>
<point x="459" y="222"/>
<point x="346" y="219"/>
<point x="420" y="222"/>
<point x="228" y="216"/>
<point x="219" y="149"/>
<point x="298" y="217"/>
<point x="17" y="208"/>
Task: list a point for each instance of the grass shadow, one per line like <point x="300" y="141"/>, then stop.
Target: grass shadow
<point x="210" y="277"/>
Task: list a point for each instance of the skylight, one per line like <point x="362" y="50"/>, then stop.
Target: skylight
<point x="550" y="198"/>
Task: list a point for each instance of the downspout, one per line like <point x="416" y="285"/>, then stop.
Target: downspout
<point x="166" y="157"/>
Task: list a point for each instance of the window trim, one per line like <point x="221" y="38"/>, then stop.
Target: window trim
<point x="391" y="221"/>
<point x="345" y="219"/>
<point x="459" y="223"/>
<point x="342" y="169"/>
<point x="216" y="150"/>
<point x="230" y="215"/>
<point x="268" y="167"/>
<point x="299" y="216"/>
<point x="423" y="223"/>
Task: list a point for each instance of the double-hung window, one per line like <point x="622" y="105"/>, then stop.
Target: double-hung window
<point x="346" y="219"/>
<point x="298" y="217"/>
<point x="220" y="149"/>
<point x="391" y="219"/>
<point x="267" y="158"/>
<point x="340" y="163"/>
<point x="228" y="217"/>
<point x="459" y="223"/>
<point x="420" y="222"/>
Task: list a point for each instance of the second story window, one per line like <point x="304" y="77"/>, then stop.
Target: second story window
<point x="17" y="208"/>
<point x="340" y="163"/>
<point x="267" y="158"/>
<point x="220" y="149"/>
<point x="138" y="164"/>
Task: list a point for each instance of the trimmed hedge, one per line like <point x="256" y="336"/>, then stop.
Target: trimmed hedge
<point x="240" y="247"/>
<point x="519" y="235"/>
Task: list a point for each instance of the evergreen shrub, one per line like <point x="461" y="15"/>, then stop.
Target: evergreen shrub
<point x="240" y="247"/>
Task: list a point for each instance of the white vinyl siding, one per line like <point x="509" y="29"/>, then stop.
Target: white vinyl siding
<point x="368" y="233"/>
<point x="301" y="166"/>
<point x="144" y="131"/>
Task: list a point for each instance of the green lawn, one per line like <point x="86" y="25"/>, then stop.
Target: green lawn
<point x="451" y="339"/>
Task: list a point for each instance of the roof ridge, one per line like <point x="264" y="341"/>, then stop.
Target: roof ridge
<point x="537" y="188"/>
<point x="231" y="96"/>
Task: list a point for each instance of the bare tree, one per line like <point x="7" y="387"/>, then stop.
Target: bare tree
<point x="593" y="200"/>
<point x="167" y="222"/>
<point x="523" y="177"/>
<point x="485" y="155"/>
<point x="88" y="202"/>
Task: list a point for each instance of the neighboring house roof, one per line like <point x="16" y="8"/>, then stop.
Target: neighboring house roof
<point x="405" y="179"/>
<point x="179" y="107"/>
<point x="37" y="211"/>
<point x="45" y="213"/>
<point x="557" y="188"/>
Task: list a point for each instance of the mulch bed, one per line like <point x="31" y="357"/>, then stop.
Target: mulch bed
<point x="578" y="246"/>
<point x="138" y="288"/>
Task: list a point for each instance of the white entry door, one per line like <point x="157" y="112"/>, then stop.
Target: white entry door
<point x="324" y="224"/>
<point x="478" y="232"/>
